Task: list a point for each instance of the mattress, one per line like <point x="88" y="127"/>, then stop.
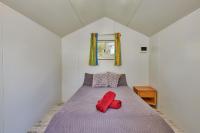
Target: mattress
<point x="79" y="114"/>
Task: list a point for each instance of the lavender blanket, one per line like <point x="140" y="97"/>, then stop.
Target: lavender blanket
<point x="79" y="114"/>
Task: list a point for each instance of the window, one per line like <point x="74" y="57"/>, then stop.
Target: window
<point x="106" y="49"/>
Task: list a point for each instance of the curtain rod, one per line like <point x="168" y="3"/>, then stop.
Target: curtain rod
<point x="105" y="34"/>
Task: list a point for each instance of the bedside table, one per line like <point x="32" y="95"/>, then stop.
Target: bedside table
<point x="147" y="93"/>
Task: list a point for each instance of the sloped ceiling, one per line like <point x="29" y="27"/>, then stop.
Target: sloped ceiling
<point x="66" y="16"/>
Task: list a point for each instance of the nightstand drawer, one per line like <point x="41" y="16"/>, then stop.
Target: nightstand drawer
<point x="146" y="93"/>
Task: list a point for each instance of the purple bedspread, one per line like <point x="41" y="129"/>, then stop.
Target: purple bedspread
<point x="79" y="114"/>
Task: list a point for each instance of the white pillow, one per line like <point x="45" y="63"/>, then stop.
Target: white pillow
<point x="100" y="80"/>
<point x="113" y="79"/>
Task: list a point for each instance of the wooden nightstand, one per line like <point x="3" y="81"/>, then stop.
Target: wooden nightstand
<point x="147" y="93"/>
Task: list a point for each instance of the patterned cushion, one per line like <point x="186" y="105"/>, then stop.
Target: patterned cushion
<point x="100" y="80"/>
<point x="113" y="79"/>
<point x="122" y="80"/>
<point x="88" y="79"/>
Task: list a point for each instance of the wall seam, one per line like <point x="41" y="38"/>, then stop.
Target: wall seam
<point x="2" y="78"/>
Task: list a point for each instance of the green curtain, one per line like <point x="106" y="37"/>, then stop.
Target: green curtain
<point x="93" y="61"/>
<point x="117" y="49"/>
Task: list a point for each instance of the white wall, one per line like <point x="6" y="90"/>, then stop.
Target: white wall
<point x="175" y="71"/>
<point x="75" y="56"/>
<point x="1" y="74"/>
<point x="31" y="64"/>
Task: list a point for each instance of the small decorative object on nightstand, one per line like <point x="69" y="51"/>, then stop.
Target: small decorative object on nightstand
<point x="148" y="94"/>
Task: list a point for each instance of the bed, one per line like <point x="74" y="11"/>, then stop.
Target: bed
<point x="79" y="114"/>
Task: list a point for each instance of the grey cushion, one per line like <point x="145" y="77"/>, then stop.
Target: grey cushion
<point x="100" y="80"/>
<point x="122" y="80"/>
<point x="88" y="79"/>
